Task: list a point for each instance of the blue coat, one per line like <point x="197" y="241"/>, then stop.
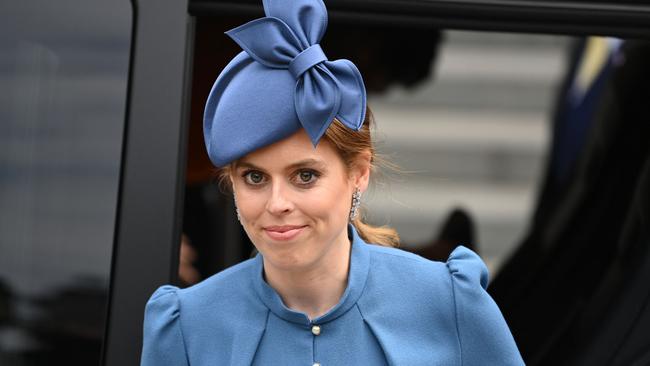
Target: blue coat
<point x="398" y="309"/>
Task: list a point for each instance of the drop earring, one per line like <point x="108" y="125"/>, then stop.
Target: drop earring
<point x="236" y="208"/>
<point x="356" y="202"/>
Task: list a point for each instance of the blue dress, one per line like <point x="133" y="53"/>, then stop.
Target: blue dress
<point x="398" y="309"/>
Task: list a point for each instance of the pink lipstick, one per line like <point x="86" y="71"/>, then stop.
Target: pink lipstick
<point x="285" y="232"/>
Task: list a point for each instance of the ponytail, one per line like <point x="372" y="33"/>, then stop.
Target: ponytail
<point x="379" y="235"/>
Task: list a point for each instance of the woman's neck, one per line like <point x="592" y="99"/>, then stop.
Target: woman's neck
<point x="317" y="289"/>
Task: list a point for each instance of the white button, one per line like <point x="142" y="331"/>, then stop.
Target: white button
<point x="316" y="364"/>
<point x="316" y="331"/>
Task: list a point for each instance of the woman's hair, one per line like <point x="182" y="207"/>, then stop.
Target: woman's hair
<point x="350" y="145"/>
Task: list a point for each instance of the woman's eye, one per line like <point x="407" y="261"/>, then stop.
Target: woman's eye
<point x="254" y="177"/>
<point x="306" y="176"/>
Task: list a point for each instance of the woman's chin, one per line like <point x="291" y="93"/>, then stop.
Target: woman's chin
<point x="286" y="257"/>
<point x="287" y="263"/>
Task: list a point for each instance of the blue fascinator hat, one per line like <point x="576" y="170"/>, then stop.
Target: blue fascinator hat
<point x="281" y="82"/>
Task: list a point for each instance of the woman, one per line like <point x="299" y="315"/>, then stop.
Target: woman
<point x="291" y="131"/>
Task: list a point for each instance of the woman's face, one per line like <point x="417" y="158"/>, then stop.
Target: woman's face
<point x="294" y="200"/>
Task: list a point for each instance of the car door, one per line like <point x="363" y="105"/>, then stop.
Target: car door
<point x="156" y="233"/>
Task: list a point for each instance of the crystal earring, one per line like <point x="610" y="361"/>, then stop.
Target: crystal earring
<point x="356" y="202"/>
<point x="236" y="208"/>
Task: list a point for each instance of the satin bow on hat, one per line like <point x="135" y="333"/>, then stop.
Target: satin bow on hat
<point x="288" y="38"/>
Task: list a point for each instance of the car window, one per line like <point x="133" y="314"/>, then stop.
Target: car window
<point x="465" y="118"/>
<point x="63" y="70"/>
<point x="471" y="140"/>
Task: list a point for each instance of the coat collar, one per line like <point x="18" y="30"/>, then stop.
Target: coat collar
<point x="358" y="273"/>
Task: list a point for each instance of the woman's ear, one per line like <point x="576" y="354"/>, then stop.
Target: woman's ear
<point x="361" y="170"/>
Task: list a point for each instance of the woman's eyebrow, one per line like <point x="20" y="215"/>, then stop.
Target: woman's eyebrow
<point x="307" y="162"/>
<point x="301" y="163"/>
<point x="244" y="164"/>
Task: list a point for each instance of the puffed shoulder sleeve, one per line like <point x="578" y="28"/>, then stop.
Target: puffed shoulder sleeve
<point x="483" y="334"/>
<point x="163" y="338"/>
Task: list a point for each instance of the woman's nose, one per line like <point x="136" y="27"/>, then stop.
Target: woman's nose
<point x="278" y="202"/>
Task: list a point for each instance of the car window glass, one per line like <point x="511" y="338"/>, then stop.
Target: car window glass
<point x="471" y="141"/>
<point x="63" y="71"/>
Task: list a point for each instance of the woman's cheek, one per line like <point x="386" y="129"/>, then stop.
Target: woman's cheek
<point x="323" y="204"/>
<point x="250" y="204"/>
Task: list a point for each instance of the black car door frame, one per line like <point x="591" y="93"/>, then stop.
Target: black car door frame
<point x="147" y="232"/>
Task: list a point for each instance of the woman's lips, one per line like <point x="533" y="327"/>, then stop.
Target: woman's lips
<point x="283" y="233"/>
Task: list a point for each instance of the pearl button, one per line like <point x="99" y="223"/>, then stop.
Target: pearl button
<point x="316" y="331"/>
